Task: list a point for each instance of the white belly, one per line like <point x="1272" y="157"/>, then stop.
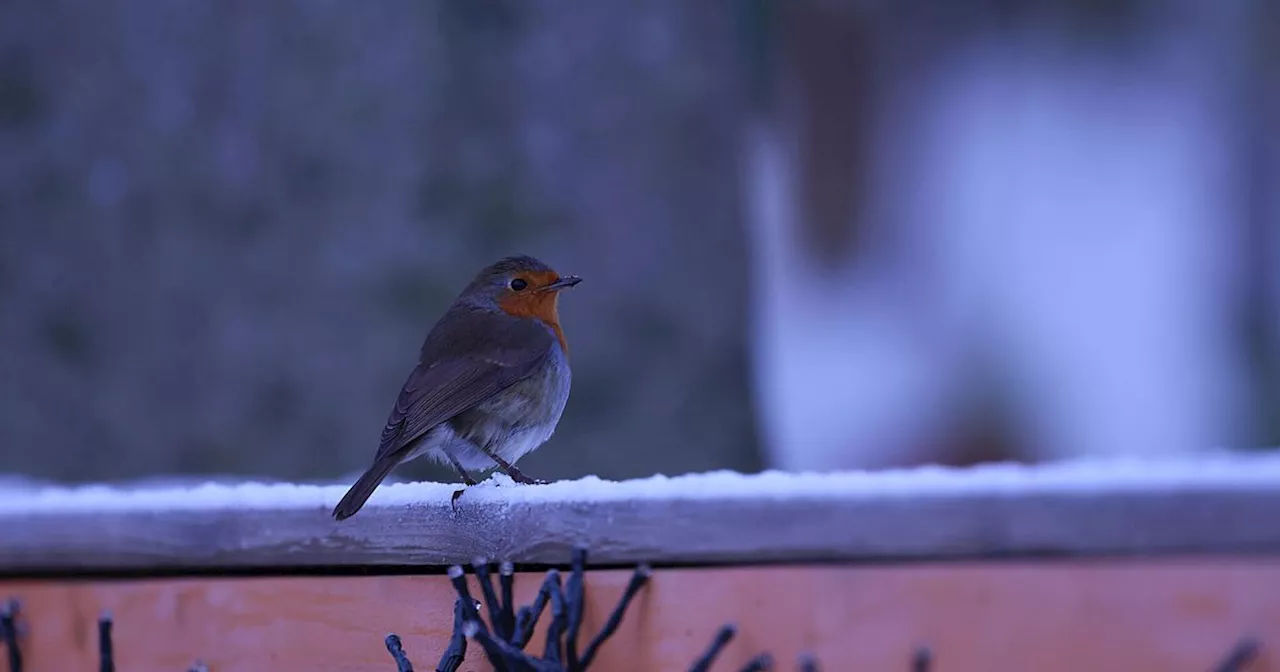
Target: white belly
<point x="512" y="435"/>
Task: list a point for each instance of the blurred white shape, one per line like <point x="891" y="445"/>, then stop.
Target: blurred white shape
<point x="1067" y="216"/>
<point x="835" y="375"/>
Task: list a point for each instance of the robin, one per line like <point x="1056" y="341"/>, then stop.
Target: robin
<point x="491" y="382"/>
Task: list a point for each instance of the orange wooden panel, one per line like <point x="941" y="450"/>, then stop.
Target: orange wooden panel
<point x="984" y="617"/>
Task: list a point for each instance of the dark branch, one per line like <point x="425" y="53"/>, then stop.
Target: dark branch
<point x="397" y="653"/>
<point x="459" y="580"/>
<point x="574" y="594"/>
<point x="922" y="661"/>
<point x="528" y="617"/>
<point x="554" y="651"/>
<point x="456" y="652"/>
<point x="491" y="603"/>
<point x="638" y="579"/>
<point x="723" y="636"/>
<point x="9" y="634"/>
<point x="760" y="663"/>
<point x="1240" y="655"/>
<point x="502" y="654"/>
<point x="106" y="651"/>
<point x="507" y="619"/>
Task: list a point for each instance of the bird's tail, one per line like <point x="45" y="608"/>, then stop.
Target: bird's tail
<point x="365" y="485"/>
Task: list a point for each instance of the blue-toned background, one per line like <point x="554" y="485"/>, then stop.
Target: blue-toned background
<point x="815" y="235"/>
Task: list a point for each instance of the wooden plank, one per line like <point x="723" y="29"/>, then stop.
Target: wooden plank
<point x="1202" y="506"/>
<point x="796" y="529"/>
<point x="1047" y="616"/>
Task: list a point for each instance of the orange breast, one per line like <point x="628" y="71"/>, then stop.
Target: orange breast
<point x="542" y="306"/>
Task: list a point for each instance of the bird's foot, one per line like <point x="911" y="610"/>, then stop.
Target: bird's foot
<point x="453" y="501"/>
<point x="519" y="477"/>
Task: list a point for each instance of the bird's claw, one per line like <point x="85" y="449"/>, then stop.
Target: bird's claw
<point x="519" y="477"/>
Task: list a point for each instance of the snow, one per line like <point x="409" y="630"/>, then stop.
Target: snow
<point x="1252" y="471"/>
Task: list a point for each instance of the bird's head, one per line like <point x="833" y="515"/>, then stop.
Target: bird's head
<point x="520" y="286"/>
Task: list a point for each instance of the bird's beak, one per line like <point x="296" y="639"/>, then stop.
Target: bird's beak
<point x="563" y="283"/>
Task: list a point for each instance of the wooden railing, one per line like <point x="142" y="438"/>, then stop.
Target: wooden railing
<point x="1161" y="566"/>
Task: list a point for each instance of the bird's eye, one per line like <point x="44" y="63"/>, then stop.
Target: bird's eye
<point x="518" y="284"/>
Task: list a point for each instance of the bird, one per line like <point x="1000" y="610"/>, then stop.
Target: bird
<point x="490" y="385"/>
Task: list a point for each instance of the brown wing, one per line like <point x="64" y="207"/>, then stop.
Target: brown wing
<point x="468" y="357"/>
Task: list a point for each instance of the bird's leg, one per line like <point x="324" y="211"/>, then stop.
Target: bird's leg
<point x="515" y="474"/>
<point x="466" y="478"/>
<point x="457" y="466"/>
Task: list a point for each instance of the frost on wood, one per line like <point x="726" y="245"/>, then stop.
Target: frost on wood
<point x="1073" y="477"/>
<point x="1212" y="504"/>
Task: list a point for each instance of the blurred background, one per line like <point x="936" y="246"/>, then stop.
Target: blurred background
<point x="814" y="234"/>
